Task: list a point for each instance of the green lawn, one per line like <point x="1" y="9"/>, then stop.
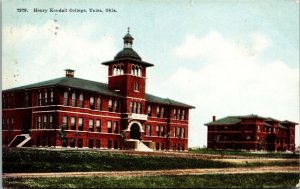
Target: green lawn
<point x="245" y="153"/>
<point x="17" y="160"/>
<point x="33" y="160"/>
<point x="265" y="180"/>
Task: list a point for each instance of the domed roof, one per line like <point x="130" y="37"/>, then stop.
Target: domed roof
<point x="127" y="53"/>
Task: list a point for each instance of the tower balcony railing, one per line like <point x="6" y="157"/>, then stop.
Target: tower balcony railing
<point x="135" y="116"/>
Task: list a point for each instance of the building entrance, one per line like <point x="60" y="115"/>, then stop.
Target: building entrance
<point x="135" y="131"/>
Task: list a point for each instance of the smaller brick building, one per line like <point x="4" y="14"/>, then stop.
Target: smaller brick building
<point x="251" y="132"/>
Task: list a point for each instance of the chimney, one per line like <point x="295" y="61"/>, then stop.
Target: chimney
<point x="69" y="73"/>
<point x="214" y="118"/>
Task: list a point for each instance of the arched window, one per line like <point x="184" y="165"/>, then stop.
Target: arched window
<point x="140" y="71"/>
<point x="132" y="70"/>
<point x="92" y="103"/>
<point x="136" y="71"/>
<point x="81" y="102"/>
<point x="114" y="70"/>
<point x="134" y="107"/>
<point x="122" y="69"/>
<point x="110" y="105"/>
<point x="99" y="103"/>
<point x="136" y="86"/>
<point x="118" y="70"/>
<point x="66" y="99"/>
<point x="73" y="99"/>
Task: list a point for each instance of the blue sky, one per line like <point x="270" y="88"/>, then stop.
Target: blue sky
<point x="231" y="57"/>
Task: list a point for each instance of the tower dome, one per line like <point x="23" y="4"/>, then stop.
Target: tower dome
<point x="127" y="51"/>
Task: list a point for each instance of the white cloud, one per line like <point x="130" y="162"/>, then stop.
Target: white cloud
<point x="232" y="81"/>
<point x="43" y="52"/>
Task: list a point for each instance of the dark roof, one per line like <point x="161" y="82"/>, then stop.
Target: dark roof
<point x="166" y="101"/>
<point x="71" y="82"/>
<point x="128" y="36"/>
<point x="92" y="86"/>
<point x="232" y="120"/>
<point x="136" y="61"/>
<point x="225" y="121"/>
<point x="127" y="53"/>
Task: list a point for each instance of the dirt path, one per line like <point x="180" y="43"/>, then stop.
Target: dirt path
<point x="279" y="169"/>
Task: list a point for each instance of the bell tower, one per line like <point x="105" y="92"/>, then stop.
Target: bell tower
<point x="127" y="72"/>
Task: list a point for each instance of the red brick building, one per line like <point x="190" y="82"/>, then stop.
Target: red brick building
<point x="251" y="132"/>
<point x="78" y="113"/>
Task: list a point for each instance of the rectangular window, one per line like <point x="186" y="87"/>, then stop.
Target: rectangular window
<point x="149" y="112"/>
<point x="116" y="144"/>
<point x="38" y="122"/>
<point x="149" y="130"/>
<point x="174" y="113"/>
<point x="99" y="103"/>
<point x="174" y="147"/>
<point x="65" y="122"/>
<point x="110" y="105"/>
<point x="80" y="124"/>
<point x="91" y="143"/>
<point x="157" y="112"/>
<point x="109" y="129"/>
<point x="175" y="131"/>
<point x="12" y="123"/>
<point x="64" y="142"/>
<point x="183" y="115"/>
<point x="72" y="143"/>
<point x="182" y="147"/>
<point x="98" y="126"/>
<point x="178" y="132"/>
<point x="178" y="147"/>
<point x="182" y="133"/>
<point x="97" y="143"/>
<point x="91" y="125"/>
<point x="51" y="97"/>
<point x="178" y="112"/>
<point x="66" y="98"/>
<point x="109" y="145"/>
<point x="131" y="107"/>
<point x="79" y="143"/>
<point x="92" y="103"/>
<point x="73" y="123"/>
<point x="50" y="121"/>
<point x="73" y="99"/>
<point x="162" y="131"/>
<point x="163" y="112"/>
<point x="116" y="106"/>
<point x="157" y="130"/>
<point x="45" y="98"/>
<point x="81" y="101"/>
<point x="162" y="146"/>
<point x="45" y="122"/>
<point x="116" y="127"/>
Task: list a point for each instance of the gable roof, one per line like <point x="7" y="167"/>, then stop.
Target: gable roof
<point x="92" y="86"/>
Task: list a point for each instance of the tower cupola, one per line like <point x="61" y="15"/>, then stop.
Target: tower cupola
<point x="128" y="40"/>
